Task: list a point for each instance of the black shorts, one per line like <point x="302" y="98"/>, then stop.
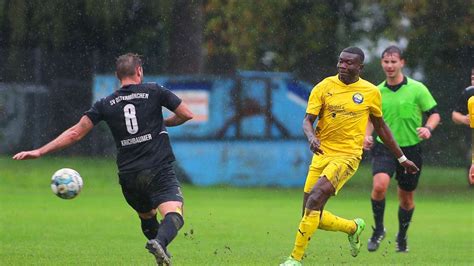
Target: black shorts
<point x="147" y="189"/>
<point x="383" y="161"/>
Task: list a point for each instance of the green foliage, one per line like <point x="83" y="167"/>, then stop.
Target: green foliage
<point x="241" y="29"/>
<point x="81" y="28"/>
<point x="302" y="34"/>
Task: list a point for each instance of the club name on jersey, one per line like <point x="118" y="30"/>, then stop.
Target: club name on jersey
<point x="136" y="140"/>
<point x="129" y="97"/>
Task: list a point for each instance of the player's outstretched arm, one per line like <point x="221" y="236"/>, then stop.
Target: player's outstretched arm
<point x="181" y="115"/>
<point x="386" y="135"/>
<point x="67" y="138"/>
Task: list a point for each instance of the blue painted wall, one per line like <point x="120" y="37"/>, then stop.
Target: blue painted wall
<point x="244" y="163"/>
<point x="254" y="158"/>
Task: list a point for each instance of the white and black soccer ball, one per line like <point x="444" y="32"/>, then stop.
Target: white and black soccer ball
<point x="66" y="183"/>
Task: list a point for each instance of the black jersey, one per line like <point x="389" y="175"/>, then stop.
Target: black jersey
<point x="461" y="105"/>
<point x="134" y="116"/>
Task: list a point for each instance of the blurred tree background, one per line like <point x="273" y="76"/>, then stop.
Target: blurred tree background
<point x="62" y="44"/>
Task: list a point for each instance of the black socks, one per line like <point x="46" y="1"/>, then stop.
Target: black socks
<point x="378" y="209"/>
<point x="150" y="227"/>
<point x="169" y="227"/>
<point x="404" y="219"/>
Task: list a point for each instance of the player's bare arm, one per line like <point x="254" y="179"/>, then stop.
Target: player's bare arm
<point x="459" y="118"/>
<point x="308" y="129"/>
<point x="67" y="138"/>
<point x="431" y="123"/>
<point x="386" y="135"/>
<point x="181" y="115"/>
<point x="368" y="139"/>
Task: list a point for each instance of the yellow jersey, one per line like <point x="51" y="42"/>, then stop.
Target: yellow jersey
<point x="470" y="109"/>
<point x="343" y="112"/>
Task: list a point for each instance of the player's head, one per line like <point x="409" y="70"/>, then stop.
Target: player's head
<point x="129" y="66"/>
<point x="350" y="63"/>
<point x="392" y="61"/>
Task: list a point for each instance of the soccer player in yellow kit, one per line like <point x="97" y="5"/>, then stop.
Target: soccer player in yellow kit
<point x="342" y="104"/>
<point x="470" y="108"/>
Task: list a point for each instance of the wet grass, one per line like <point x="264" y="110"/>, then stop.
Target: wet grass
<point x="224" y="225"/>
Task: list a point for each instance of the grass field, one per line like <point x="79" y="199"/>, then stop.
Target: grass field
<point x="224" y="225"/>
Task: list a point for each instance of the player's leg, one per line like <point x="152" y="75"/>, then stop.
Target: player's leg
<point x="305" y="199"/>
<point x="338" y="172"/>
<point x="164" y="193"/>
<point x="405" y="213"/>
<point x="153" y="245"/>
<point x="131" y="184"/>
<point x="353" y="228"/>
<point x="149" y="224"/>
<point x="314" y="173"/>
<point x="171" y="211"/>
<point x="407" y="184"/>
<point x="173" y="221"/>
<point x="383" y="167"/>
<point x="381" y="182"/>
<point x="317" y="198"/>
<point x="334" y="173"/>
<point x="331" y="222"/>
<point x="343" y="169"/>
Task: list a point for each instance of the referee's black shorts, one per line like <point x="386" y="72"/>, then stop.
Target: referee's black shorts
<point x="147" y="189"/>
<point x="383" y="161"/>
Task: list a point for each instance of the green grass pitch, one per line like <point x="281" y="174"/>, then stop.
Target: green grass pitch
<point x="223" y="225"/>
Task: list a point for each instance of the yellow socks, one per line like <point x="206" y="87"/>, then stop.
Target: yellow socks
<point x="311" y="221"/>
<point x="308" y="225"/>
<point x="331" y="222"/>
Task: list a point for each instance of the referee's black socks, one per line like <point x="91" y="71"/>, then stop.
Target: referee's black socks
<point x="404" y="219"/>
<point x="378" y="208"/>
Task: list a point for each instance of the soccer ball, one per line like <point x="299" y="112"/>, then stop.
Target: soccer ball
<point x="66" y="183"/>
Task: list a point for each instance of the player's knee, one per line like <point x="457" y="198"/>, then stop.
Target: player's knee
<point x="316" y="200"/>
<point x="314" y="196"/>
<point x="379" y="189"/>
<point x="407" y="203"/>
<point x="176" y="219"/>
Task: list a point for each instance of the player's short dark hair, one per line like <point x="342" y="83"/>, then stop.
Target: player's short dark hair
<point x="126" y="65"/>
<point x="393" y="49"/>
<point x="355" y="50"/>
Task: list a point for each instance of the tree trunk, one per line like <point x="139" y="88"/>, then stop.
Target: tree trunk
<point x="186" y="37"/>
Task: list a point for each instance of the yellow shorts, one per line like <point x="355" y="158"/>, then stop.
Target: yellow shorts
<point x="337" y="169"/>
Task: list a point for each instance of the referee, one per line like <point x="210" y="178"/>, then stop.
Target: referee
<point x="404" y="101"/>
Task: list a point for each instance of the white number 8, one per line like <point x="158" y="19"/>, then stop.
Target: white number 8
<point x="130" y="118"/>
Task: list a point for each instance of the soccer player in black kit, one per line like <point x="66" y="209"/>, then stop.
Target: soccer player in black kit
<point x="134" y="116"/>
